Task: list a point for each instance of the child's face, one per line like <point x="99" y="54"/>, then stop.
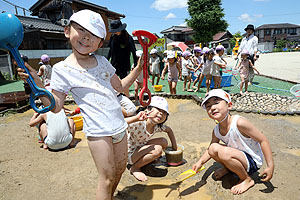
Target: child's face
<point x="171" y="60"/>
<point x="244" y="56"/>
<point x="197" y="54"/>
<point x="210" y="56"/>
<point x="217" y="108"/>
<point x="82" y="41"/>
<point x="158" y="115"/>
<point x="153" y="55"/>
<point x="221" y="52"/>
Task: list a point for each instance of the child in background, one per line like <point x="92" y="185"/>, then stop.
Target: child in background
<point x="92" y="81"/>
<point x="141" y="148"/>
<point x="207" y="65"/>
<point x="178" y="56"/>
<point x="244" y="145"/>
<point x="218" y="65"/>
<point x="204" y="57"/>
<point x="45" y="70"/>
<point x="243" y="67"/>
<point x="55" y="129"/>
<point x="198" y="65"/>
<point x="187" y="67"/>
<point x="154" y="63"/>
<point x="165" y="58"/>
<point x="174" y="71"/>
<point x="138" y="83"/>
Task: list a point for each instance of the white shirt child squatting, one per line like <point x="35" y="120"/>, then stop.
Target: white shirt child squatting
<point x="93" y="93"/>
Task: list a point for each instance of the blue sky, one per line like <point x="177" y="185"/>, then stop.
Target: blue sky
<point x="157" y="15"/>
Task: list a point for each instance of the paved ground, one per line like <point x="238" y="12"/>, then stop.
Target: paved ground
<point x="282" y="65"/>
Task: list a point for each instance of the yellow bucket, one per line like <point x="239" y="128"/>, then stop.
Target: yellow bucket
<point x="78" y="122"/>
<point x="157" y="88"/>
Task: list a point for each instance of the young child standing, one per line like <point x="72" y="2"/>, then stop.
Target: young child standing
<point x="138" y="83"/>
<point x="243" y="67"/>
<point x="198" y="65"/>
<point x="187" y="67"/>
<point x="244" y="145"/>
<point x="154" y="63"/>
<point x="141" y="148"/>
<point x="218" y="65"/>
<point x="92" y="81"/>
<point x="174" y="71"/>
<point x="45" y="70"/>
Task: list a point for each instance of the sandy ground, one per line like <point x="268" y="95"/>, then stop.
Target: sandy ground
<point x="29" y="172"/>
<point x="283" y="65"/>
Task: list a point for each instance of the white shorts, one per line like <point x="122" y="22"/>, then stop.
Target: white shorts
<point x="55" y="145"/>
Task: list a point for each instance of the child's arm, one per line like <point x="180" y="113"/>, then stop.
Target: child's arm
<point x="221" y="65"/>
<point x="254" y="68"/>
<point x="141" y="116"/>
<point x="36" y="119"/>
<point x="58" y="96"/>
<point x="224" y="60"/>
<point x="125" y="83"/>
<point x="171" y="135"/>
<point x="205" y="157"/>
<point x="248" y="129"/>
<point x="179" y="69"/>
<point x="164" y="71"/>
<point x="200" y="65"/>
<point x="238" y="65"/>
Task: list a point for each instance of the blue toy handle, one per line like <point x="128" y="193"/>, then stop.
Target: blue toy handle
<point x="35" y="90"/>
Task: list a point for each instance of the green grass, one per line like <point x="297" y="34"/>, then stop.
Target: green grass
<point x="12" y="86"/>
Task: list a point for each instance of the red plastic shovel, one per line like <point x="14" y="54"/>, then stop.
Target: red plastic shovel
<point x="145" y="44"/>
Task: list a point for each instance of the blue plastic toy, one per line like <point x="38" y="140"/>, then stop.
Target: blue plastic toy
<point x="11" y="37"/>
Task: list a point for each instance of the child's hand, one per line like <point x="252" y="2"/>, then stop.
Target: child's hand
<point x="23" y="75"/>
<point x="141" y="116"/>
<point x="197" y="166"/>
<point x="267" y="174"/>
<point x="162" y="77"/>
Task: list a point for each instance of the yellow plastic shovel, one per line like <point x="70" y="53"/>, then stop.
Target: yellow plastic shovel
<point x="188" y="174"/>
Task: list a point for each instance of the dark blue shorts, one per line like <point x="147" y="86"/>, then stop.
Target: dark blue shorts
<point x="252" y="165"/>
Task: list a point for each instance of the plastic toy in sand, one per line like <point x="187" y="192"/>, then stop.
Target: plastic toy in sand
<point x="295" y="90"/>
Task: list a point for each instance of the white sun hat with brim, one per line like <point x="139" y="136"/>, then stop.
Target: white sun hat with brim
<point x="160" y="102"/>
<point x="186" y="53"/>
<point x="216" y="93"/>
<point x="139" y="53"/>
<point x="91" y="21"/>
<point x="153" y="51"/>
<point x="245" y="52"/>
<point x="205" y="50"/>
<point x="220" y="47"/>
<point x="171" y="54"/>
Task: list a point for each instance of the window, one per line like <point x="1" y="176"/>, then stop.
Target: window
<point x="292" y="31"/>
<point x="278" y="31"/>
<point x="268" y="32"/>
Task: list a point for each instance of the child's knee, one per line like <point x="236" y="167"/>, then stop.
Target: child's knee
<point x="157" y="150"/>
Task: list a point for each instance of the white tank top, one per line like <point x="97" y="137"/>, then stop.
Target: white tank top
<point x="57" y="126"/>
<point x="236" y="140"/>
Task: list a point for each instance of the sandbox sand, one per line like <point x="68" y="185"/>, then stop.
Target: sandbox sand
<point x="30" y="172"/>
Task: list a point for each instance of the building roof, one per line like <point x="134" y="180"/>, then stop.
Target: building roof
<point x="39" y="23"/>
<point x="35" y="7"/>
<point x="221" y="35"/>
<point x="274" y="26"/>
<point x="174" y="28"/>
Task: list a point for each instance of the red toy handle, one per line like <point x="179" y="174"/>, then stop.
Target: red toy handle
<point x="145" y="44"/>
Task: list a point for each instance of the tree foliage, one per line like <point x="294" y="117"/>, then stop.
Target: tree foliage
<point x="206" y="19"/>
<point x="236" y="35"/>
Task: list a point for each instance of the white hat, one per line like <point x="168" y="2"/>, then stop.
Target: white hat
<point x="153" y="51"/>
<point x="205" y="50"/>
<point x="220" y="47"/>
<point x="216" y="93"/>
<point x="171" y="54"/>
<point x="160" y="102"/>
<point x="165" y="51"/>
<point x="186" y="53"/>
<point x="139" y="53"/>
<point x="91" y="21"/>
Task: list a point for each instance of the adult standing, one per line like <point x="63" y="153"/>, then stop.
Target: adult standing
<point x="250" y="43"/>
<point x="121" y="45"/>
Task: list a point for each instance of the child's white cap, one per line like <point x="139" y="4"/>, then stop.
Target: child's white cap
<point x="220" y="47"/>
<point x="171" y="54"/>
<point x="186" y="53"/>
<point x="216" y="93"/>
<point x="165" y="51"/>
<point x="245" y="52"/>
<point x="205" y="50"/>
<point x="153" y="51"/>
<point x="160" y="102"/>
<point x="91" y="21"/>
<point x="197" y="49"/>
<point x="139" y="53"/>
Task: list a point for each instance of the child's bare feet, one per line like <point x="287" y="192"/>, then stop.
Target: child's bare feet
<point x="45" y="146"/>
<point x="242" y="186"/>
<point x="138" y="174"/>
<point x="219" y="173"/>
<point x="241" y="93"/>
<point x="183" y="89"/>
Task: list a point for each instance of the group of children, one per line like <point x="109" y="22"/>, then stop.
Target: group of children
<point x="114" y="140"/>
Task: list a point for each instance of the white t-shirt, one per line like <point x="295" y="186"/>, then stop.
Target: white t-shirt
<point x="249" y="43"/>
<point x="185" y="70"/>
<point x="215" y="70"/>
<point x="207" y="65"/>
<point x="46" y="77"/>
<point x="94" y="94"/>
<point x="155" y="65"/>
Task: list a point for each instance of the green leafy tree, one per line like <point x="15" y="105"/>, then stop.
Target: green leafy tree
<point x="206" y="19"/>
